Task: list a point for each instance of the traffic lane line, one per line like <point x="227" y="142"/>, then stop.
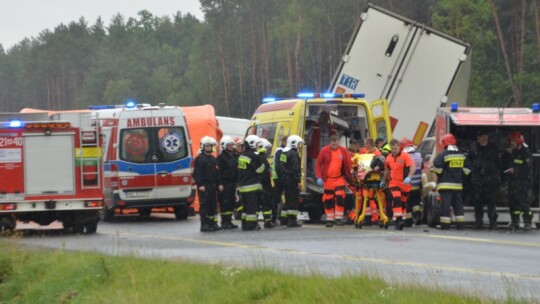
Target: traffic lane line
<point x="433" y="267"/>
<point x="446" y="237"/>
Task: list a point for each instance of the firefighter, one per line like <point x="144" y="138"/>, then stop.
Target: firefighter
<point x="250" y="169"/>
<point x="278" y="185"/>
<point x="485" y="178"/>
<point x="414" y="212"/>
<point x="333" y="170"/>
<point x="399" y="170"/>
<point x="263" y="149"/>
<point x="238" y="149"/>
<point x="291" y="173"/>
<point x="449" y="166"/>
<point x="519" y="168"/>
<point x="208" y="181"/>
<point x="227" y="164"/>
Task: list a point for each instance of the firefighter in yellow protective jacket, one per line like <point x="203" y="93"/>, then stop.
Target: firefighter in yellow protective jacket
<point x="450" y="165"/>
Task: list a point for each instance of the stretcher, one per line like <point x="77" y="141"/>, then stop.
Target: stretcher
<point x="368" y="189"/>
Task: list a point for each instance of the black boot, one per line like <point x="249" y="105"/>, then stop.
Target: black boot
<point x="514" y="225"/>
<point x="399" y="223"/>
<point x="459" y="226"/>
<point x="268" y="224"/>
<point x="479" y="223"/>
<point x="493" y="222"/>
<point x="206" y="226"/>
<point x="292" y="222"/>
<point x="408" y="222"/>
<point x="329" y="224"/>
<point x="339" y="222"/>
<point x="417" y="216"/>
<point x="226" y="222"/>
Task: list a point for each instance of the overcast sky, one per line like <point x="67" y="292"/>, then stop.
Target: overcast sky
<point x="27" y="18"/>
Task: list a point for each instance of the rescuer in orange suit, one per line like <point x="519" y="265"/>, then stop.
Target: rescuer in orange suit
<point x="399" y="170"/>
<point x="333" y="170"/>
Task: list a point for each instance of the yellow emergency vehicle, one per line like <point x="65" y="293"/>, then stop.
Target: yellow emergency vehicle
<point x="315" y="117"/>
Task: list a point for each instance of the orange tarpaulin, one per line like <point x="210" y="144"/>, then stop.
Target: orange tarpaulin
<point x="201" y="121"/>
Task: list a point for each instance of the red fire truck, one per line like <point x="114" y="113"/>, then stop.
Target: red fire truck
<point x="50" y="170"/>
<point x="498" y="123"/>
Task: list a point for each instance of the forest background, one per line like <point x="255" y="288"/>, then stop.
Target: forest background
<point x="245" y="50"/>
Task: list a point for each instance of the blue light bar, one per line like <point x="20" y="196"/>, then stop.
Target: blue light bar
<point x="130" y="104"/>
<point x="268" y="99"/>
<point x="535" y="108"/>
<point x="101" y="107"/>
<point x="331" y="95"/>
<point x="454" y="107"/>
<point x="305" y="95"/>
<point x="15" y="123"/>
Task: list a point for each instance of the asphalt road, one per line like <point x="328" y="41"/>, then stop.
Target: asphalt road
<point x="496" y="264"/>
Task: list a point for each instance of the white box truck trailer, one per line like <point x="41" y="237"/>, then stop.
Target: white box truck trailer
<point x="416" y="68"/>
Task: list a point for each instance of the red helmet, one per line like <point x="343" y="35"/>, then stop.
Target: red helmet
<point x="517" y="137"/>
<point x="448" y="139"/>
<point x="405" y="142"/>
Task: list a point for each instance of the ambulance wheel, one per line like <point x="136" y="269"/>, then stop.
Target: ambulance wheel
<point x="181" y="212"/>
<point x="145" y="212"/>
<point x="91" y="227"/>
<point x="106" y="215"/>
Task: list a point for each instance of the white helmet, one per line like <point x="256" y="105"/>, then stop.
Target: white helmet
<point x="293" y="141"/>
<point x="263" y="144"/>
<point x="226" y="140"/>
<point x="251" y="141"/>
<point x="207" y="140"/>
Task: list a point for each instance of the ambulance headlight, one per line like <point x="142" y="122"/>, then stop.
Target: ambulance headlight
<point x="15" y="123"/>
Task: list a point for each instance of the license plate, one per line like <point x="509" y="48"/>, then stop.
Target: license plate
<point x="137" y="194"/>
<point x="11" y="196"/>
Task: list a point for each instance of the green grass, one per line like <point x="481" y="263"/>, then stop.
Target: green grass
<point x="46" y="276"/>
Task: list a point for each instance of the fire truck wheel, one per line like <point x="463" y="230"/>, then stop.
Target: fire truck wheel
<point x="78" y="228"/>
<point x="91" y="227"/>
<point x="7" y="225"/>
<point x="181" y="212"/>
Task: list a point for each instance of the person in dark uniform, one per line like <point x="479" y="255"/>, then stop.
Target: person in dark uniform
<point x="450" y="165"/>
<point x="278" y="185"/>
<point x="263" y="149"/>
<point x="291" y="173"/>
<point x="519" y="171"/>
<point x="227" y="164"/>
<point x="208" y="181"/>
<point x="485" y="178"/>
<point x="250" y="169"/>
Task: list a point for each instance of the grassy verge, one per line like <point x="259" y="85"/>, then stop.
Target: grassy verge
<point x="43" y="276"/>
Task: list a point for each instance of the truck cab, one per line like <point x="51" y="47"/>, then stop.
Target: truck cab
<point x="348" y="116"/>
<point x="498" y="123"/>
